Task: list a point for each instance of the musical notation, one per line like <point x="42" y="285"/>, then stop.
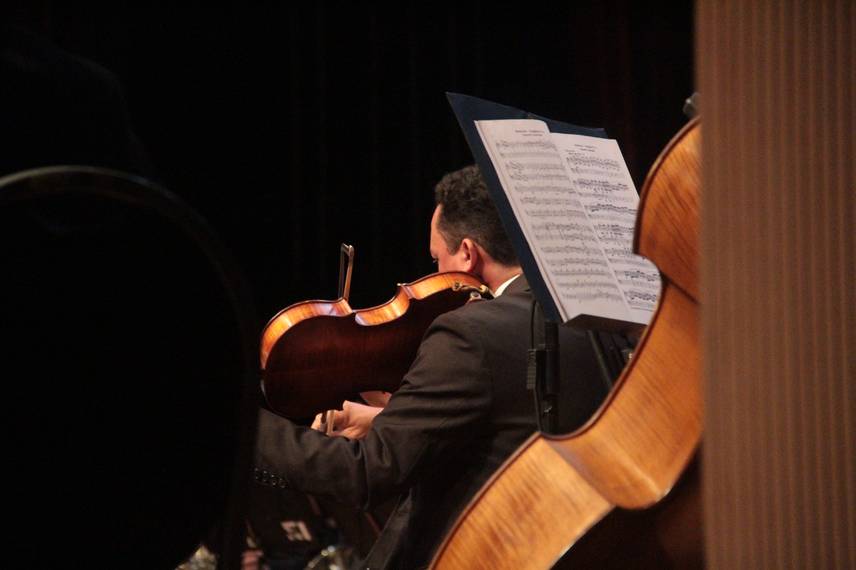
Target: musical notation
<point x="614" y="232"/>
<point x="577" y="261"/>
<point x="581" y="272"/>
<point x="633" y="275"/>
<point x="619" y="253"/>
<point x="634" y="261"/>
<point x="544" y="201"/>
<point x="642" y="295"/>
<point x="596" y="295"/>
<point x="571" y="249"/>
<point x="612" y="208"/>
<point x="590" y="197"/>
<point x="600" y="186"/>
<point x="641" y="299"/>
<point x="576" y="170"/>
<point x="522" y="189"/>
<point x="564" y="213"/>
<point x="537" y="166"/>
<point x="526" y="154"/>
<point x="539" y="144"/>
<point x="562" y="227"/>
<point x="576" y="204"/>
<point x="590" y="290"/>
<point x="535" y="177"/>
<point x="578" y="160"/>
<point x="549" y="231"/>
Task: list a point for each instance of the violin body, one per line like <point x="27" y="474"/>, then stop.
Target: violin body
<point x="315" y="354"/>
<point x="574" y="494"/>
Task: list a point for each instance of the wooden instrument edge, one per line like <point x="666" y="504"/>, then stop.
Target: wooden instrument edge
<point x="294" y="314"/>
<point x="655" y="169"/>
<point x="626" y="479"/>
<point x="510" y="533"/>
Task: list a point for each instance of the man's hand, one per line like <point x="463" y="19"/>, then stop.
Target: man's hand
<point x="353" y="421"/>
<point x="375" y="398"/>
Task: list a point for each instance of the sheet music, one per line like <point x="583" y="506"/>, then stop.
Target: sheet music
<point x="576" y="204"/>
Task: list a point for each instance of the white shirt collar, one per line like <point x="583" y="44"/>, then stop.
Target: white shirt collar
<point x="501" y="289"/>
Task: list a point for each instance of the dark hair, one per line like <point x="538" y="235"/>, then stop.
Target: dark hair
<point x="469" y="212"/>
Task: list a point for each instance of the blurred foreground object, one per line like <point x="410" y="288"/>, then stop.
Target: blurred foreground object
<point x="127" y="349"/>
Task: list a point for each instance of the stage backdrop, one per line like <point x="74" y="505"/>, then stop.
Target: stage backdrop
<point x="294" y="127"/>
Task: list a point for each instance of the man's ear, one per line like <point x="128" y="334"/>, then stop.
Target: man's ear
<point x="470" y="255"/>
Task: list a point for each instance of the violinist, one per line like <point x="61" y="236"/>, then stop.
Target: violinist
<point x="461" y="409"/>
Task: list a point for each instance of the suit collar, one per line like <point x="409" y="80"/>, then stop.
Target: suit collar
<point x="519" y="285"/>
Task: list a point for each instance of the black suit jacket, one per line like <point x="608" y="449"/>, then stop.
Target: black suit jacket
<point x="461" y="410"/>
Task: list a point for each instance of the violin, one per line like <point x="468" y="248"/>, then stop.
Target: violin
<point x="316" y="354"/>
<point x="586" y="493"/>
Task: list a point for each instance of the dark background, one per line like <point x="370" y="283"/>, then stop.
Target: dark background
<point x="294" y="127"/>
<point x="290" y="128"/>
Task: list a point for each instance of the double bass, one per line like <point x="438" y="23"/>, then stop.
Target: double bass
<point x="573" y="495"/>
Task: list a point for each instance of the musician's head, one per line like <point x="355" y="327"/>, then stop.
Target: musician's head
<point x="466" y="232"/>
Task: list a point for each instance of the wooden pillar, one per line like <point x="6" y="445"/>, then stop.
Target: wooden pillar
<point x="779" y="311"/>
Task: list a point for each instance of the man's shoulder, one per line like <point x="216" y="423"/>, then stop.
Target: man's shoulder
<point x="510" y="306"/>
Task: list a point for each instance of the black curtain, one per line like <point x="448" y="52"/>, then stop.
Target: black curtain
<point x="293" y="127"/>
